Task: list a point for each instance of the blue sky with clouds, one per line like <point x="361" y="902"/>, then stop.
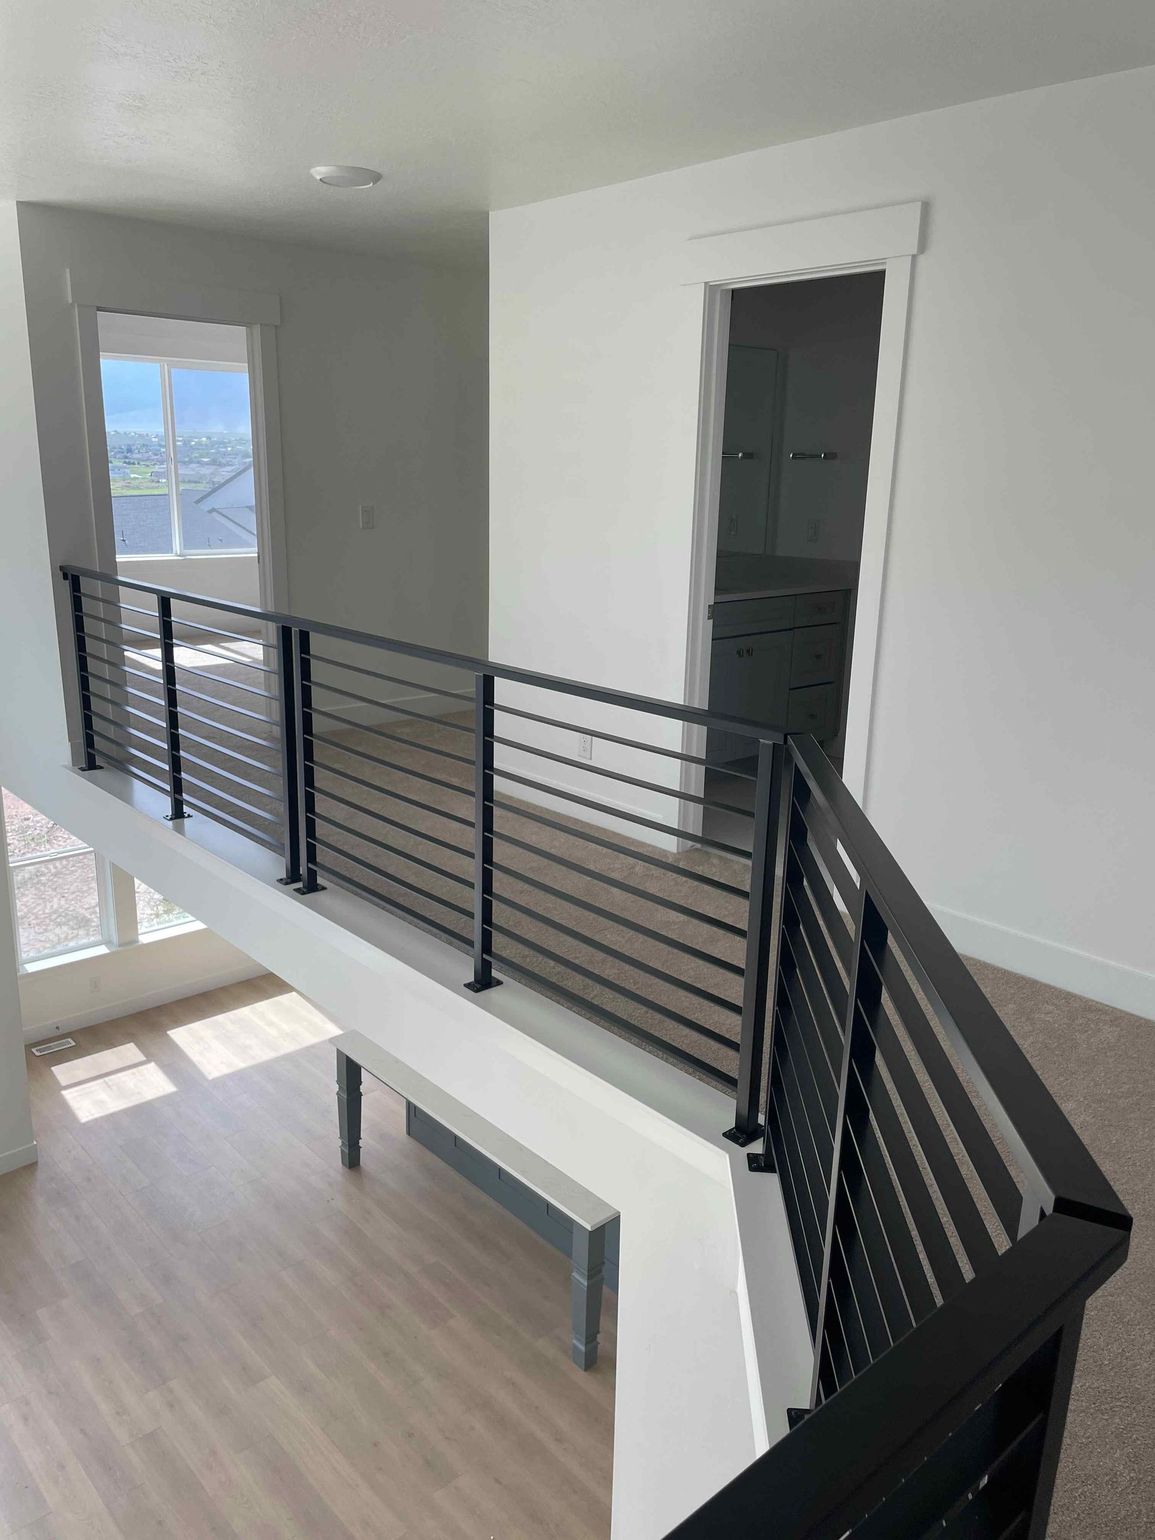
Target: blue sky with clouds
<point x="205" y="400"/>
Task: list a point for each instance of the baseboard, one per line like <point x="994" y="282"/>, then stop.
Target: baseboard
<point x="14" y="1159"/>
<point x="110" y="1010"/>
<point x="1082" y="973"/>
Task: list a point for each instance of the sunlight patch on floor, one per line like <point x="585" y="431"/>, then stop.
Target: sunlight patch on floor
<point x="115" y="1093"/>
<point x="220" y="1045"/>
<point x="94" y="1064"/>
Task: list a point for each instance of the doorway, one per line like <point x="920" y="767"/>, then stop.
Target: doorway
<point x="797" y="420"/>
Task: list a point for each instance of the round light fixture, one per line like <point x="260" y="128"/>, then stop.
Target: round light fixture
<point x="346" y="176"/>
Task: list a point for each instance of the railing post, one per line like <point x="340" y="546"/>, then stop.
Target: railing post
<point x="763" y="941"/>
<point x="1061" y="1369"/>
<point x="482" y="835"/>
<point x="80" y="648"/>
<point x="171" y="709"/>
<point x="290" y="773"/>
<point x="864" y="998"/>
<point x="306" y="801"/>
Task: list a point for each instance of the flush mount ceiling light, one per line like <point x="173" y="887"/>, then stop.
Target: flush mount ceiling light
<point x="346" y="176"/>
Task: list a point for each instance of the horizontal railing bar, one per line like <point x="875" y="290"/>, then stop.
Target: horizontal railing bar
<point x="388" y="764"/>
<point x="571" y="966"/>
<point x="788" y="1154"/>
<point x="119" y="604"/>
<point x="631" y="960"/>
<point x="828" y="1027"/>
<point x="866" y="1336"/>
<point x="627" y="743"/>
<point x="379" y="732"/>
<point x="825" y="1062"/>
<point x="738" y="931"/>
<point x="909" y="1270"/>
<point x="119" y="625"/>
<point x="937" y="1155"/>
<point x="386" y="791"/>
<point x="803" y="1261"/>
<point x="833" y="920"/>
<point x="790" y="1041"/>
<point x="207" y="764"/>
<point x="587" y="767"/>
<point x="581" y="1005"/>
<point x="713" y="883"/>
<point x="1044" y="1145"/>
<point x="393" y="823"/>
<point x="225" y="607"/>
<point x="819" y="948"/>
<point x="646" y="705"/>
<point x="820" y="1146"/>
<point x="186" y="715"/>
<point x="209" y="700"/>
<point x="622" y="815"/>
<point x="102" y="716"/>
<point x="122" y="706"/>
<point x="227" y="684"/>
<point x="885" y="1277"/>
<point x="393" y="879"/>
<point x="402" y="855"/>
<point x="226" y="796"/>
<point x="393" y="905"/>
<point x="972" y="1132"/>
<point x="131" y="770"/>
<point x="234" y="825"/>
<point x="617" y="918"/>
<point x="825" y="842"/>
<point x="128" y="748"/>
<point x="414" y="684"/>
<point x="393" y="709"/>
<point x="880" y="1114"/>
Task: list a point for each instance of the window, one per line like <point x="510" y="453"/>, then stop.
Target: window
<point x="66" y="897"/>
<point x="180" y="456"/>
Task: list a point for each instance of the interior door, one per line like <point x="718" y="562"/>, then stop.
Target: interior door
<point x="748" y="433"/>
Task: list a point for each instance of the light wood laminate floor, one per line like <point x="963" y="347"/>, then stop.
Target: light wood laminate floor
<point x="209" y="1328"/>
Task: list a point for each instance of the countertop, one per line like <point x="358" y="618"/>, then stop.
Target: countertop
<point x="766" y="577"/>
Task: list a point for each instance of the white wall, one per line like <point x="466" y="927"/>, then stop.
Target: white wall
<point x="827" y="336"/>
<point x="70" y="993"/>
<point x="1013" y="735"/>
<point x="383" y="398"/>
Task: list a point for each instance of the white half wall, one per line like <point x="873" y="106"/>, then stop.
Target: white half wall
<point x="1013" y="737"/>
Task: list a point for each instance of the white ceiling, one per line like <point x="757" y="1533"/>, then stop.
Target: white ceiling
<point x="212" y="111"/>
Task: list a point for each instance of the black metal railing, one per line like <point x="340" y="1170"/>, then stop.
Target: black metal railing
<point x="947" y="1223"/>
<point x="437" y="786"/>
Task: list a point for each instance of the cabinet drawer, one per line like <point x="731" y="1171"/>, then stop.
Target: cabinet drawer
<point x="815" y="656"/>
<point x="735" y="616"/>
<point x="819" y="609"/>
<point x="812" y="710"/>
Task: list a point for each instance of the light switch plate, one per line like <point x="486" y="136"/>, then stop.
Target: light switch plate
<point x="367" y="515"/>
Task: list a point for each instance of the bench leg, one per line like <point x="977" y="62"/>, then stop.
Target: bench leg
<point x="589" y="1260"/>
<point x="349" y="1108"/>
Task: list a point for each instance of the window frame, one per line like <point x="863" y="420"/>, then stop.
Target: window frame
<point x="119" y="922"/>
<point x="172" y="469"/>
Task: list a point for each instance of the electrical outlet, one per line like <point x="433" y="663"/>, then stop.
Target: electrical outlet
<point x="367" y="515"/>
<point x="813" y="530"/>
<point x="585" y="746"/>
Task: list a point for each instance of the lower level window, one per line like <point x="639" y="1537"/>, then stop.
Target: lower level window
<point x="68" y="898"/>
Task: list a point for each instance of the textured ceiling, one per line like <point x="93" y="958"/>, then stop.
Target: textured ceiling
<point x="212" y="111"/>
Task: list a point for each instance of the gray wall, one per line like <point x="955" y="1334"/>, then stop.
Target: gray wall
<point x="382" y="377"/>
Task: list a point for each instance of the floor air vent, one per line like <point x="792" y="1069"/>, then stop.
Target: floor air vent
<point x="55" y="1046"/>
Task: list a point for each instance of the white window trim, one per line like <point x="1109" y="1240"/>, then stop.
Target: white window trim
<point x="166" y="365"/>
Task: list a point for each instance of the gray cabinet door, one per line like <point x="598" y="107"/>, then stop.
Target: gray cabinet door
<point x="747" y="448"/>
<point x="749" y="677"/>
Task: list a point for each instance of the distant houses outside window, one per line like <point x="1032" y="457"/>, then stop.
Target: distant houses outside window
<point x="66" y="897"/>
<point x="180" y="457"/>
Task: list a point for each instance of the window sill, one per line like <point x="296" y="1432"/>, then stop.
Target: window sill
<point x="102" y="949"/>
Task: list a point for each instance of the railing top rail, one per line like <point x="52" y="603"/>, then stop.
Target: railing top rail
<point x="1047" y="1148"/>
<point x="693" y="716"/>
<point x="843" y="1459"/>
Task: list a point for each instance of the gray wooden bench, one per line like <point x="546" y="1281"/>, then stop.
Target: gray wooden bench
<point x="589" y="1214"/>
